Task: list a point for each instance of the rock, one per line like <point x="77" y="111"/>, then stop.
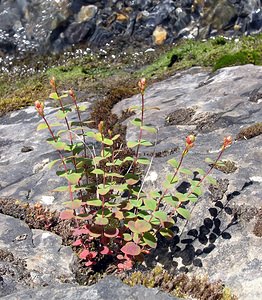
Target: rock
<point x="86" y="13"/>
<point x="106" y="289"/>
<point x="23" y="173"/>
<point x="25" y="25"/>
<point x="32" y="258"/>
<point x="159" y="35"/>
<point x="222" y="238"/>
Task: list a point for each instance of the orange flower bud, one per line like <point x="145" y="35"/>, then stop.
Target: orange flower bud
<point x="101" y="126"/>
<point x="227" y="141"/>
<point x="39" y="106"/>
<point x="142" y="84"/>
<point x="52" y="82"/>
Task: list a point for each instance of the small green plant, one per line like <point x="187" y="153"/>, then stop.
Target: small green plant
<point x="112" y="213"/>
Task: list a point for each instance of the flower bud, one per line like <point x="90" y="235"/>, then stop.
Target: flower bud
<point x="227" y="141"/>
<point x="39" y="106"/>
<point x="190" y="139"/>
<point x="52" y="82"/>
<point x="71" y="93"/>
<point x="101" y="126"/>
<point x="142" y="85"/>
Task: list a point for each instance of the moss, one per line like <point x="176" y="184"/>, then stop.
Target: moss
<point x="227" y="167"/>
<point x="238" y="58"/>
<point x="180" y="285"/>
<point x="250" y="132"/>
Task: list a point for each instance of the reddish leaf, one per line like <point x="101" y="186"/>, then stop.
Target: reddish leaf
<point x="77" y="243"/>
<point x="67" y="214"/>
<point x="95" y="231"/>
<point x="79" y="231"/>
<point x="127" y="265"/>
<point x="84" y="254"/>
<point x="106" y="251"/>
<point x="111" y="232"/>
<point x="92" y="254"/>
<point x="131" y="248"/>
<point x="89" y="263"/>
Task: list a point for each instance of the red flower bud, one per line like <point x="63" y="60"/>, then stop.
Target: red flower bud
<point x="39" y="106"/>
<point x="101" y="126"/>
<point x="190" y="139"/>
<point x="227" y="141"/>
<point x="71" y="93"/>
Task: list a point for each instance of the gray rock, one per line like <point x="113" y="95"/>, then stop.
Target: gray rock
<point x="106" y="289"/>
<point x="219" y="239"/>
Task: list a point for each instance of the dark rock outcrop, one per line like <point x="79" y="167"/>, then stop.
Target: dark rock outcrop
<point x="43" y="26"/>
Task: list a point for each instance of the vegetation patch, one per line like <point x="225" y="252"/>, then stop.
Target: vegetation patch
<point x="250" y="132"/>
<point x="258" y="226"/>
<point x="226" y="167"/>
<point x="180" y="285"/>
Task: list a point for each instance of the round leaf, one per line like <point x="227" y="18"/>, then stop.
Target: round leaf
<point x="131" y="248"/>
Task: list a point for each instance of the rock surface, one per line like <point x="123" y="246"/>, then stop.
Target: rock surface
<point x="219" y="240"/>
<point x="44" y="25"/>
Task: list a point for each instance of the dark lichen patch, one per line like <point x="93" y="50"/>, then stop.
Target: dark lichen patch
<point x="258" y="225"/>
<point x="227" y="167"/>
<point x="250" y="132"/>
<point x="255" y="95"/>
<point x="179" y="285"/>
<point x="181" y="116"/>
<point x="246" y="213"/>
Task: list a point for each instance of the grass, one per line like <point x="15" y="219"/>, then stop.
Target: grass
<point x="98" y="76"/>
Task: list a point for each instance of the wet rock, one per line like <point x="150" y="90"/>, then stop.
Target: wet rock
<point x="86" y="13"/>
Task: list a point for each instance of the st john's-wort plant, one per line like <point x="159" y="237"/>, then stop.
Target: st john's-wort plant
<point x="112" y="213"/>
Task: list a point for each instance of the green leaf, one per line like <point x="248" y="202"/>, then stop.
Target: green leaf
<point x="73" y="178"/>
<point x="161" y="215"/>
<point x="107" y="142"/>
<point x="90" y="134"/>
<point x="103" y="191"/>
<point x="129" y="215"/>
<point x="98" y="172"/>
<point x="139" y="226"/>
<point x="127" y="237"/>
<point x="113" y="175"/>
<point x="167" y="233"/>
<point x="197" y="190"/>
<point x="128" y="158"/>
<point x="149" y="129"/>
<point x="149" y="239"/>
<point x="155" y="194"/>
<point x="131" y="179"/>
<point x="173" y="162"/>
<point x="150" y="204"/>
<point x="132" y="144"/>
<point x="101" y="221"/>
<point x="171" y="179"/>
<point x="54" y="96"/>
<point x="52" y="163"/>
<point x="136" y="203"/>
<point x="143" y="161"/>
<point x="181" y="197"/>
<point x="75" y="204"/>
<point x="82" y="108"/>
<point x="94" y="202"/>
<point x="170" y="200"/>
<point x="98" y="137"/>
<point x="192" y="198"/>
<point x="115" y="137"/>
<point x="153" y="221"/>
<point x="200" y="171"/>
<point x="211" y="180"/>
<point x="59" y="145"/>
<point x="186" y="171"/>
<point x="64" y="188"/>
<point x="118" y="162"/>
<point x="61" y="114"/>
<point x="41" y="126"/>
<point x="209" y="160"/>
<point x="184" y="213"/>
<point x="137" y="122"/>
<point x="106" y="153"/>
<point x="145" y="143"/>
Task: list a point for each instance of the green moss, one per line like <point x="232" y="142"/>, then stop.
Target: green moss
<point x="239" y="58"/>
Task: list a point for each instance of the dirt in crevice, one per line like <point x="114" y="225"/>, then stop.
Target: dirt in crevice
<point x="258" y="225"/>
